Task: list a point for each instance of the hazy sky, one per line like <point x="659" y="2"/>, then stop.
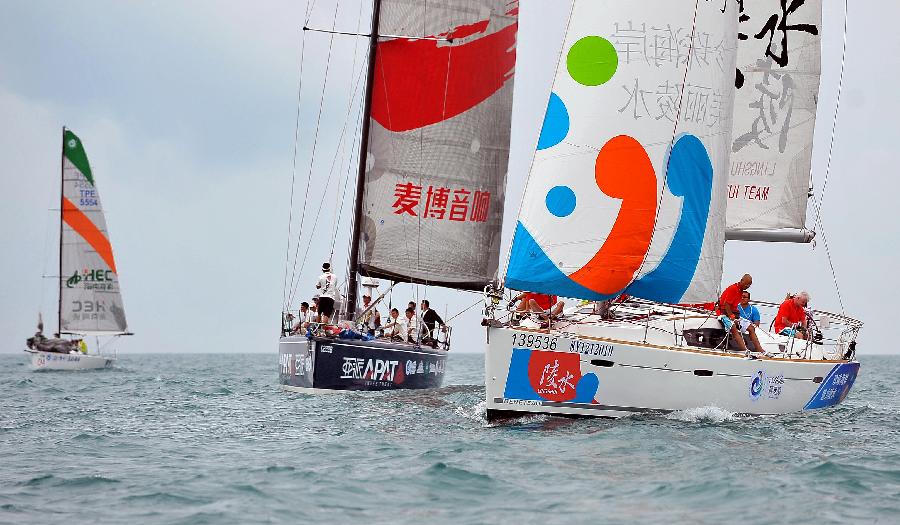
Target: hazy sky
<point x="187" y="111"/>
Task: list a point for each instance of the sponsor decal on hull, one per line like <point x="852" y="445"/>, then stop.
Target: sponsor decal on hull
<point x="764" y="386"/>
<point x="835" y="387"/>
<point x="549" y="376"/>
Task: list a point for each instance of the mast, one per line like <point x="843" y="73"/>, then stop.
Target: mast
<point x="361" y="176"/>
<point x="62" y="189"/>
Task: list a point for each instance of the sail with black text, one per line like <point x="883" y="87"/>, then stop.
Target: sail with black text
<point x="777" y="88"/>
<point x="438" y="146"/>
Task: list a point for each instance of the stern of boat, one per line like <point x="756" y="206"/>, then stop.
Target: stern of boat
<point x="327" y="364"/>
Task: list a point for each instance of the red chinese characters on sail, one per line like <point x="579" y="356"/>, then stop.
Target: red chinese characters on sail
<point x="441" y="203"/>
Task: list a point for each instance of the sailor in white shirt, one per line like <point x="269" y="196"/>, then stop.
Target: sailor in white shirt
<point x="304" y="317"/>
<point x="371" y="319"/>
<point x="396" y="328"/>
<point x="327" y="285"/>
<point x="412" y="327"/>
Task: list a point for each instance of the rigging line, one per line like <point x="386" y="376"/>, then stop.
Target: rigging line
<point x="380" y="35"/>
<point x="837" y="288"/>
<point x="687" y="68"/>
<point x="343" y="194"/>
<point x="476" y="303"/>
<point x="339" y="204"/>
<point x="837" y="108"/>
<point x="287" y="250"/>
<point x="309" y="9"/>
<point x="312" y="157"/>
<point x="296" y="281"/>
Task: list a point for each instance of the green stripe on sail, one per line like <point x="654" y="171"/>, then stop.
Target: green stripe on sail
<point x="74" y="151"/>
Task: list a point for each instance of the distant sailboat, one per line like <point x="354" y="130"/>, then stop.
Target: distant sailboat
<point x="90" y="302"/>
<point x="627" y="208"/>
<point x="431" y="182"/>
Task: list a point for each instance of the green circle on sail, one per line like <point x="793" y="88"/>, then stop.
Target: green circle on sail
<point x="592" y="61"/>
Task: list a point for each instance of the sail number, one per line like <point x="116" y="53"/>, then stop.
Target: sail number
<point x="591" y="348"/>
<point x="536" y="341"/>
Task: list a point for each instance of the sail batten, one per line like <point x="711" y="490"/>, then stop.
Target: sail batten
<point x="438" y="144"/>
<point x="90" y="299"/>
<point x="627" y="188"/>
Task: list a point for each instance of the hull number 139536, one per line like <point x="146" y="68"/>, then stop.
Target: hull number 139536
<point x="536" y="341"/>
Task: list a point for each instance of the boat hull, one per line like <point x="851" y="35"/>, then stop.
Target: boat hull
<point x="578" y="376"/>
<point x="326" y="364"/>
<point x="58" y="361"/>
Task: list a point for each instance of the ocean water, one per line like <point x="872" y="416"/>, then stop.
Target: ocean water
<point x="212" y="439"/>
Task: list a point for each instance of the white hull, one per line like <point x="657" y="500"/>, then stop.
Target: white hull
<point x="57" y="361"/>
<point x="576" y="375"/>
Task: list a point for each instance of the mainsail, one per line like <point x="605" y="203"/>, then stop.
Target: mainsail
<point x="438" y="146"/>
<point x="779" y="65"/>
<point x="89" y="296"/>
<point x="627" y="189"/>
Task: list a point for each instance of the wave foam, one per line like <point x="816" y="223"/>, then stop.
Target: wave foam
<point x="707" y="414"/>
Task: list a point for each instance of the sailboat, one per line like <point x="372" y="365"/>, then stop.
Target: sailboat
<point x="430" y="187"/>
<point x="672" y="126"/>
<point x="90" y="300"/>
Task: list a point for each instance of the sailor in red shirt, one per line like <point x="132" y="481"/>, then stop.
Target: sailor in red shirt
<point x="791" y="317"/>
<point x="728" y="314"/>
<point x="539" y="303"/>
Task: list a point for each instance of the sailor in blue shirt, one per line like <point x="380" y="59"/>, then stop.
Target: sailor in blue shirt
<point x="747" y="311"/>
<point x="748" y="317"/>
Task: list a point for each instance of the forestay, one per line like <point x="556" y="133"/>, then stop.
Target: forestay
<point x="89" y="296"/>
<point x="779" y="65"/>
<point x="627" y="188"/>
<point x="439" y="141"/>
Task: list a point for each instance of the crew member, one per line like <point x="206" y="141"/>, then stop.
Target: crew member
<point x="791" y="317"/>
<point x="395" y="328"/>
<point x="728" y="311"/>
<point x="371" y="318"/>
<point x="327" y="285"/>
<point x="411" y="325"/>
<point x="304" y="317"/>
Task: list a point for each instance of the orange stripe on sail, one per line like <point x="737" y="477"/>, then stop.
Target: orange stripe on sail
<point x="86" y="228"/>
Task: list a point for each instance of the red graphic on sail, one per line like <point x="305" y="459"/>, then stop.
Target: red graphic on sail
<point x="422" y="82"/>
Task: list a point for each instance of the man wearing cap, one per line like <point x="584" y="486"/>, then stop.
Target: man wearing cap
<point x="327" y="286"/>
<point x="371" y="318"/>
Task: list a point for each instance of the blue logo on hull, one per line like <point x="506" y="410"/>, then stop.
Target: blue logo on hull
<point x="835" y="387"/>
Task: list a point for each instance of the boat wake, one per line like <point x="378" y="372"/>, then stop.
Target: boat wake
<point x="707" y="414"/>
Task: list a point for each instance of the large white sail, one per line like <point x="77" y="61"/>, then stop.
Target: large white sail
<point x="627" y="189"/>
<point x="89" y="296"/>
<point x="779" y="65"/>
<point x="439" y="141"/>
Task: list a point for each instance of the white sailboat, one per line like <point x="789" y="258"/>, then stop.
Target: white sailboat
<point x="430" y="185"/>
<point x="90" y="301"/>
<point x="651" y="154"/>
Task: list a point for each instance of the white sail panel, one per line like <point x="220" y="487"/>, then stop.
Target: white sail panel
<point x="439" y="141"/>
<point x="779" y="65"/>
<point x="89" y="296"/>
<point x="627" y="190"/>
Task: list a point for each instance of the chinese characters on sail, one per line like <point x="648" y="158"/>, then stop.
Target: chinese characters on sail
<point x="776" y="87"/>
<point x="670" y="47"/>
<point x="441" y="203"/>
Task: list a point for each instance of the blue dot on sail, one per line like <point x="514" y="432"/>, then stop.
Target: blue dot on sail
<point x="561" y="201"/>
<point x="556" y="123"/>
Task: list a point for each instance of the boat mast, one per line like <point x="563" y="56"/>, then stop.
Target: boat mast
<point x="62" y="189"/>
<point x="361" y="176"/>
